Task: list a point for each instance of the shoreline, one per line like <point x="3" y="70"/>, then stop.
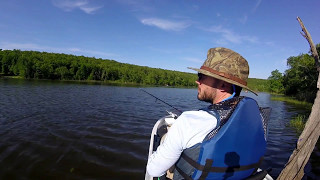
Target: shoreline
<point x="113" y="83"/>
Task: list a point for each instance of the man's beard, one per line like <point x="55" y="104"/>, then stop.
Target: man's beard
<point x="204" y="97"/>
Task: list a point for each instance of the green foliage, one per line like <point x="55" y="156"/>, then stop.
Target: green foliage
<point x="258" y="85"/>
<point x="298" y="123"/>
<point x="299" y="80"/>
<point x="292" y="100"/>
<point x="276" y="82"/>
<point x="42" y="65"/>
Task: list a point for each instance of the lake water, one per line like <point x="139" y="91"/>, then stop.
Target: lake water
<point x="58" y="130"/>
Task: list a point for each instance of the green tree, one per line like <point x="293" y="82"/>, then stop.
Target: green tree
<point x="6" y="61"/>
<point x="276" y="82"/>
<point x="43" y="65"/>
<point x="63" y="73"/>
<point x="301" y="78"/>
<point x="82" y="73"/>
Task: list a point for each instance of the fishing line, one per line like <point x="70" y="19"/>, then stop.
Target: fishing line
<point x="160" y="100"/>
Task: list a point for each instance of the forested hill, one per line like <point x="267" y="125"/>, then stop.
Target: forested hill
<point x="43" y="65"/>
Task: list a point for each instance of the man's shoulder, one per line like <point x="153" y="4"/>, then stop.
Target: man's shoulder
<point x="195" y="112"/>
<point x="200" y="114"/>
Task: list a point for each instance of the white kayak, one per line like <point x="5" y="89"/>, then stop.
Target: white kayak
<point x="164" y="123"/>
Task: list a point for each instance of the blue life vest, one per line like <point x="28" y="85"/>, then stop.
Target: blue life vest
<point x="234" y="150"/>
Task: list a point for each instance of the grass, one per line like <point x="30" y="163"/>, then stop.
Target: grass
<point x="10" y="77"/>
<point x="13" y="77"/>
<point x="92" y="82"/>
<point x="291" y="100"/>
<point x="298" y="123"/>
<point x="260" y="85"/>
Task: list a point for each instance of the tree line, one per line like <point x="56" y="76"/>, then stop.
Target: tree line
<point x="299" y="80"/>
<point x="43" y="65"/>
<point x="56" y="66"/>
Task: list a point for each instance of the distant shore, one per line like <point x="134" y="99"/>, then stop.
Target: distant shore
<point x="113" y="83"/>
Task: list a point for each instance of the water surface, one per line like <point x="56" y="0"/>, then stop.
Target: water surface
<point x="57" y="130"/>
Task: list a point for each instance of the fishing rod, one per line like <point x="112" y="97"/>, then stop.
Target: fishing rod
<point x="160" y="100"/>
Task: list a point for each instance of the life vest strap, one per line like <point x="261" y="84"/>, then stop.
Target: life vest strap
<point x="209" y="168"/>
<point x="183" y="174"/>
<point x="206" y="169"/>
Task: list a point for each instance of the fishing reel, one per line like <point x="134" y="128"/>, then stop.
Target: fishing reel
<point x="170" y="119"/>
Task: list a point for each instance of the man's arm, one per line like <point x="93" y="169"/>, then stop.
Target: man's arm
<point x="189" y="129"/>
<point x="167" y="153"/>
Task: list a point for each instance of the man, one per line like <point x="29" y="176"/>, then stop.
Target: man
<point x="220" y="81"/>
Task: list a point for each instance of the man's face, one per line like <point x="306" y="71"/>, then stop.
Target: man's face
<point x="206" y="88"/>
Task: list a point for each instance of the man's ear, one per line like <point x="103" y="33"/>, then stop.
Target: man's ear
<point x="222" y="84"/>
<point x="226" y="87"/>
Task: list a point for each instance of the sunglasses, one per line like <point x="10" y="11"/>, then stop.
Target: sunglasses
<point x="200" y="76"/>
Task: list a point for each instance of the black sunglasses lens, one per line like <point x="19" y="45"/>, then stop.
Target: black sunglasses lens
<point x="200" y="76"/>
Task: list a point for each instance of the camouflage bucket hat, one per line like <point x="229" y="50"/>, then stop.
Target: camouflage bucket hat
<point x="226" y="65"/>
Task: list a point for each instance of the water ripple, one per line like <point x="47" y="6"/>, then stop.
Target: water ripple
<point x="55" y="130"/>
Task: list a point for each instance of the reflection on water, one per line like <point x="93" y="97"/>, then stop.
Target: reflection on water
<point x="55" y="130"/>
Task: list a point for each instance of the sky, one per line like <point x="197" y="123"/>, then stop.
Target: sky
<point x="166" y="34"/>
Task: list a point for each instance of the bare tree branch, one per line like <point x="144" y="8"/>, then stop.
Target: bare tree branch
<point x="312" y="46"/>
<point x="294" y="168"/>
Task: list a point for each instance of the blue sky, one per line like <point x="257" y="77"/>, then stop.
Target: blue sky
<point x="167" y="34"/>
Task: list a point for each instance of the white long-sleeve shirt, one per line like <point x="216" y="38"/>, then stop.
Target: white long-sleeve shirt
<point x="190" y="128"/>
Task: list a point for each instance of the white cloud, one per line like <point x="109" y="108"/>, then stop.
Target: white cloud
<point x="230" y="36"/>
<point x="195" y="60"/>
<point x="28" y="46"/>
<point x="221" y="42"/>
<point x="100" y="54"/>
<point x="138" y="5"/>
<point x="244" y="19"/>
<point x="74" y="49"/>
<point x="69" y="5"/>
<point x="269" y="43"/>
<point x="256" y="6"/>
<point x="165" y="24"/>
<point x="37" y="47"/>
<point x="195" y="7"/>
<point x="90" y="10"/>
